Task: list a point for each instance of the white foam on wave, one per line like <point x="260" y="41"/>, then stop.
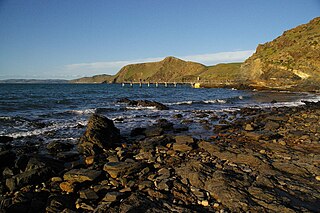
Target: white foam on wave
<point x="82" y="112"/>
<point x="5" y="118"/>
<point x="180" y="103"/>
<point x="53" y="127"/>
<point x="220" y="101"/>
<point x="141" y="108"/>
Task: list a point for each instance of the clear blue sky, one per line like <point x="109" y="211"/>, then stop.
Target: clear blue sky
<point x="73" y="38"/>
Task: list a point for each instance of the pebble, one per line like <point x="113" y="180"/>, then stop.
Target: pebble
<point x="205" y="203"/>
<point x="282" y="143"/>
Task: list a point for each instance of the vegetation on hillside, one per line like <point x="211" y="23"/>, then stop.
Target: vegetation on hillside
<point x="94" y="79"/>
<point x="290" y="61"/>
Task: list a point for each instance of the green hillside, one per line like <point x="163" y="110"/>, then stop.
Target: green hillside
<point x="169" y="69"/>
<point x="291" y="61"/>
<point x="94" y="79"/>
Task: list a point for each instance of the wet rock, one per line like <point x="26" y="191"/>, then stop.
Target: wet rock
<point x="138" y="202"/>
<point x="184" y="139"/>
<point x="34" y="163"/>
<point x="88" y="194"/>
<point x="137" y="131"/>
<point x="7" y="158"/>
<point x="146" y="103"/>
<point x="68" y="156"/>
<point x="7" y="172"/>
<point x="57" y="146"/>
<point x="112" y="196"/>
<point x="68" y="187"/>
<point x="116" y="169"/>
<point x="180" y="128"/>
<point x="124" y="100"/>
<point x="5" y="139"/>
<point x="60" y="203"/>
<point x="100" y="134"/>
<point x="153" y="131"/>
<point x="181" y="147"/>
<point x="164" y="124"/>
<point x="248" y="127"/>
<point x="30" y="177"/>
<point x="145" y="184"/>
<point x="271" y="125"/>
<point x="81" y="175"/>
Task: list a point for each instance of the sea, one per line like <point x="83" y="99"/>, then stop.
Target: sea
<point x="51" y="112"/>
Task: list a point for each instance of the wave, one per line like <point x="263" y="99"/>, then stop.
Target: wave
<point x="52" y="128"/>
<point x="141" y="108"/>
<point x="220" y="101"/>
<point x="210" y="101"/>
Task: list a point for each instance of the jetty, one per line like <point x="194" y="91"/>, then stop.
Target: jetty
<point x="173" y="84"/>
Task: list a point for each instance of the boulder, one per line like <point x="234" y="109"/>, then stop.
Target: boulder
<point x="100" y="134"/>
<point x="5" y="139"/>
<point x="116" y="169"/>
<point x="6" y="158"/>
<point x="30" y="177"/>
<point x="146" y="103"/>
<point x="81" y="175"/>
<point x="57" y="146"/>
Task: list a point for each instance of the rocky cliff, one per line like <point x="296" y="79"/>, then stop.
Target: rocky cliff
<point x="291" y="61"/>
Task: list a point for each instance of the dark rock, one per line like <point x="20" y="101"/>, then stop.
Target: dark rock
<point x="68" y="156"/>
<point x="116" y="169"/>
<point x="271" y="125"/>
<point x="88" y="194"/>
<point x="146" y="103"/>
<point x="221" y="127"/>
<point x="21" y="162"/>
<point x="7" y="172"/>
<point x="100" y="134"/>
<point x="153" y="131"/>
<point x="30" y="177"/>
<point x="112" y="196"/>
<point x="81" y="175"/>
<point x="60" y="203"/>
<point x="124" y="100"/>
<point x="57" y="146"/>
<point x="180" y="128"/>
<point x="138" y="202"/>
<point x="7" y="158"/>
<point x="164" y="124"/>
<point x="137" y="131"/>
<point x="178" y="116"/>
<point x="184" y="139"/>
<point x="34" y="163"/>
<point x="181" y="147"/>
<point x="5" y="139"/>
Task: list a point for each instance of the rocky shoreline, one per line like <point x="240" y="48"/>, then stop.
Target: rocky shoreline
<point x="257" y="160"/>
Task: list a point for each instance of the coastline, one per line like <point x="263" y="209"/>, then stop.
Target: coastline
<point x="264" y="160"/>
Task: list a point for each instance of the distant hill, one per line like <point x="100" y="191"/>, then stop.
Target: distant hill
<point x="94" y="79"/>
<point x="33" y="81"/>
<point x="291" y="61"/>
<point x="169" y="69"/>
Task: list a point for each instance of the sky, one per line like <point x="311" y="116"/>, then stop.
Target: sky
<point x="68" y="39"/>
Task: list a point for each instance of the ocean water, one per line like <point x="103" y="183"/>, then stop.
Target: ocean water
<point x="47" y="112"/>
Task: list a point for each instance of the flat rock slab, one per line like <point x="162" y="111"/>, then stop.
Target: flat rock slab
<point x="81" y="175"/>
<point x="181" y="147"/>
<point x="184" y="139"/>
<point x="116" y="169"/>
